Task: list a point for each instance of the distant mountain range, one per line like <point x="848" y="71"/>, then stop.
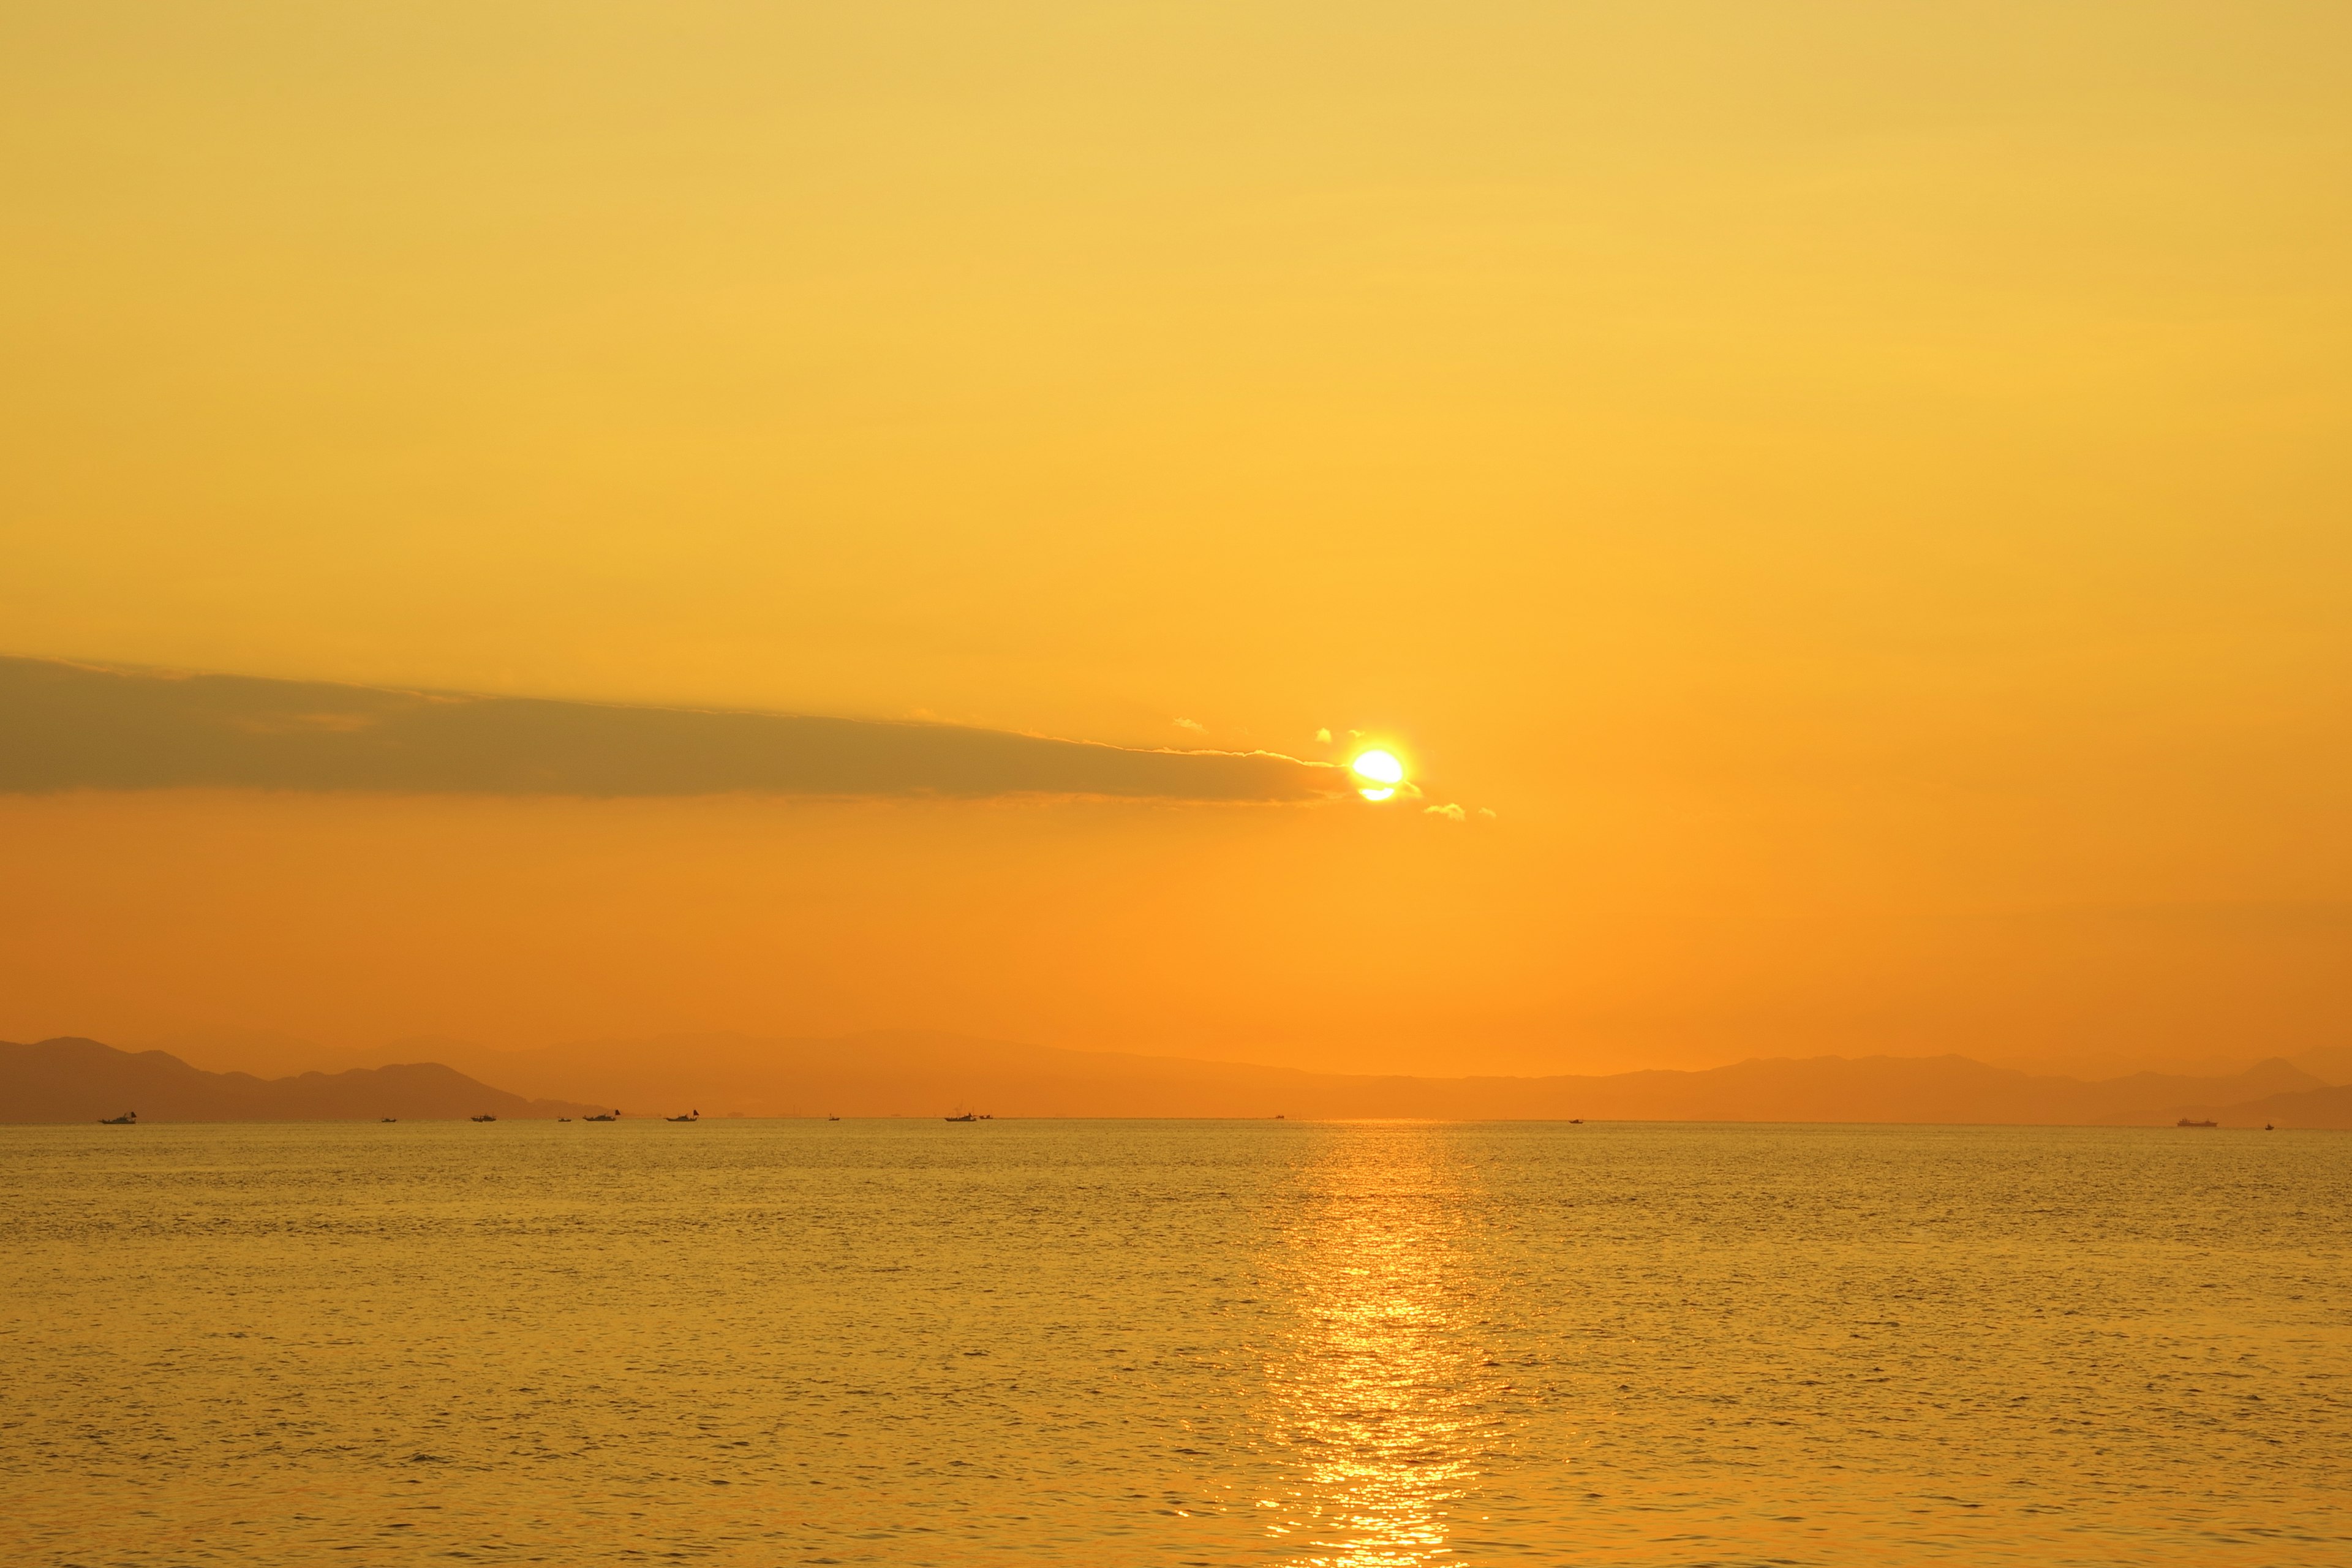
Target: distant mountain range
<point x="81" y="1081"/>
<point x="931" y="1074"/>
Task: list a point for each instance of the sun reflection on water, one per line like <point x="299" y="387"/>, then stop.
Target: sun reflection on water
<point x="1380" y="1392"/>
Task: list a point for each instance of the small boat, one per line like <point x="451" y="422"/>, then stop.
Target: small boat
<point x="832" y="1119"/>
<point x="486" y="1117"/>
<point x="614" y="1117"/>
<point x="967" y="1116"/>
<point x="2184" y="1122"/>
<point x="390" y="1120"/>
<point x="564" y="1119"/>
<point x="1575" y="1121"/>
<point x="128" y="1119"/>
<point x="2268" y="1128"/>
<point x="689" y="1116"/>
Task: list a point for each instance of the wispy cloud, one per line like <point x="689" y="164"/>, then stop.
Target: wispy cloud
<point x="71" y="726"/>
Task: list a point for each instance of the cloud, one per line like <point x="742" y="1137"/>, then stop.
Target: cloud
<point x="70" y="726"/>
<point x="1451" y="812"/>
<point x="1323" y="734"/>
<point x="1190" y="724"/>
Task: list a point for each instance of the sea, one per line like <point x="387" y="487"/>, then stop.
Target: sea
<point x="1375" y="1344"/>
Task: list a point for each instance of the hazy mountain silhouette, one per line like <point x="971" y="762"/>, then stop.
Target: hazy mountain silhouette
<point x="266" y="1053"/>
<point x="2329" y="1064"/>
<point x="2330" y="1107"/>
<point x="83" y="1080"/>
<point x="912" y="1074"/>
<point x="930" y="1074"/>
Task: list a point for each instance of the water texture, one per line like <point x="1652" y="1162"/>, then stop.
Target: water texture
<point x="1370" y="1344"/>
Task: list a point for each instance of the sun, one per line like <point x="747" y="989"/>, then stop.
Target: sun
<point x="1380" y="771"/>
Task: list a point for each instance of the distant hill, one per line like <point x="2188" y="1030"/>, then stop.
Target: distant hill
<point x="2302" y="1107"/>
<point x="83" y="1080"/>
<point x="932" y="1074"/>
<point x="2329" y="1064"/>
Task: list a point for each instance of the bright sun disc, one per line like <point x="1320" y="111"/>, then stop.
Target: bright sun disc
<point x="1380" y="767"/>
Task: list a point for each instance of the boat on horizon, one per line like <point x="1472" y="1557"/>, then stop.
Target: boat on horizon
<point x="388" y="1119"/>
<point x="967" y="1116"/>
<point x="689" y="1116"/>
<point x="128" y="1119"/>
<point x="486" y="1116"/>
<point x="614" y="1117"/>
<point x="2185" y="1122"/>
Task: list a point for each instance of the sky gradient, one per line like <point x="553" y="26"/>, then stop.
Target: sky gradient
<point x="1847" y="502"/>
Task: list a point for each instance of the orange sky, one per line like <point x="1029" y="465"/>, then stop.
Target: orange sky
<point x="1858" y="491"/>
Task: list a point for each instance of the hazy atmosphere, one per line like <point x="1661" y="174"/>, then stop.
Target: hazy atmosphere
<point x="1224" y="783"/>
<point x="1839" y="510"/>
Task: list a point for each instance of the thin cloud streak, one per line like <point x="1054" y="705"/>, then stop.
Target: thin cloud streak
<point x="67" y="726"/>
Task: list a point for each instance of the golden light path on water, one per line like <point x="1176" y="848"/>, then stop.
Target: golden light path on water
<point x="1377" y="1393"/>
<point x="912" y="1344"/>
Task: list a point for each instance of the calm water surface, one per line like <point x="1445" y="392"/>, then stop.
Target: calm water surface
<point x="1364" y="1344"/>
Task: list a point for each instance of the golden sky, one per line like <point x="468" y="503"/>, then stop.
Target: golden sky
<point x="1859" y="492"/>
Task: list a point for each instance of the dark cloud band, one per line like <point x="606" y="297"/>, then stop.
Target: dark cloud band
<point x="68" y="726"/>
